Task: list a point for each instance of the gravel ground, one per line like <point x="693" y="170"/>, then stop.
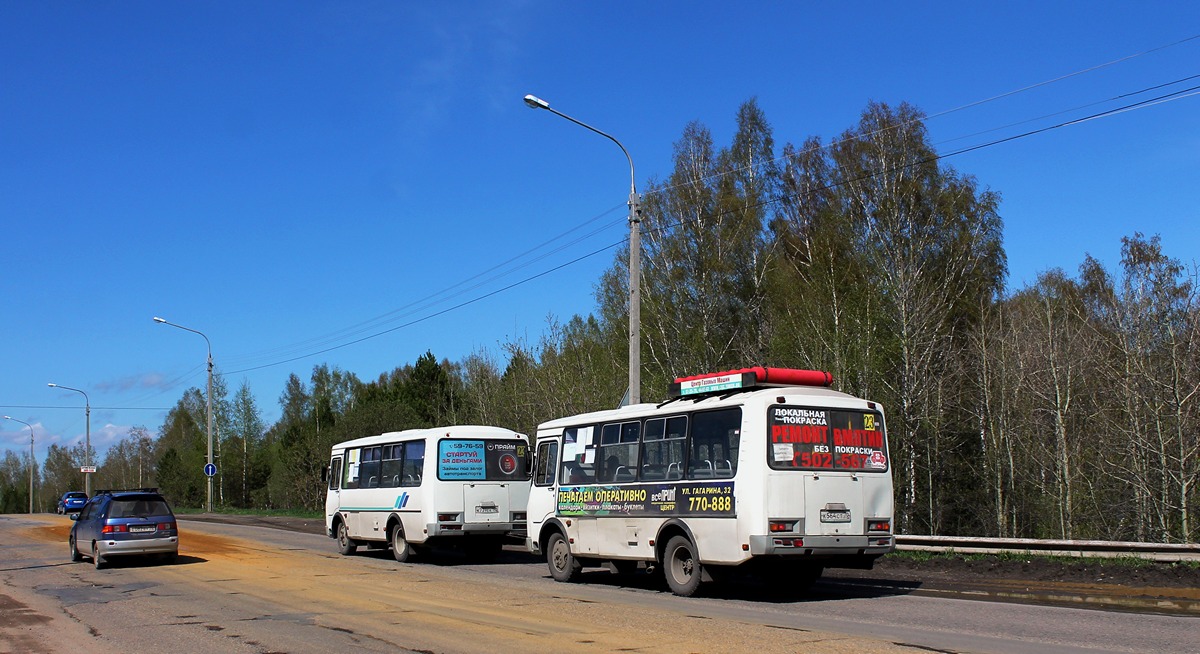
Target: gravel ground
<point x="949" y="568"/>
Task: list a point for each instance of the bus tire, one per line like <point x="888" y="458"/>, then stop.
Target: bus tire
<point x="346" y="544"/>
<point x="400" y="547"/>
<point x="563" y="565"/>
<point x="681" y="566"/>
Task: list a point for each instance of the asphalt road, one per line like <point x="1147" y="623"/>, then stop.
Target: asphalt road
<point x="252" y="589"/>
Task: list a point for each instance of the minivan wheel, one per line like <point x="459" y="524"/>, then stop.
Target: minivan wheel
<point x="76" y="557"/>
<point x="97" y="560"/>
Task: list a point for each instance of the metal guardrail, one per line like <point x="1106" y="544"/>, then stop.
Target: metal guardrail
<point x="1166" y="552"/>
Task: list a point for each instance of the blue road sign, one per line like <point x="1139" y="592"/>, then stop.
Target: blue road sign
<point x="210" y="469"/>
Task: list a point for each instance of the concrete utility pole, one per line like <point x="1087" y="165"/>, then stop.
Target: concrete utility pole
<point x="635" y="257"/>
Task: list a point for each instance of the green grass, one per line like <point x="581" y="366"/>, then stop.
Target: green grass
<point x="924" y="556"/>
<point x="289" y="513"/>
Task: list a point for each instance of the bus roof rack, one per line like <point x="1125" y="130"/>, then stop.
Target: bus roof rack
<point x="747" y="379"/>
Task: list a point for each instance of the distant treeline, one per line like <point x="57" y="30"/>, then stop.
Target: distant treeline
<point x="1066" y="409"/>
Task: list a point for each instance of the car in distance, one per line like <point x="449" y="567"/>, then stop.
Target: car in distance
<point x="71" y="502"/>
<point x="117" y="523"/>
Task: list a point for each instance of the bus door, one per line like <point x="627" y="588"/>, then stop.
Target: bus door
<point x="543" y="499"/>
<point x="333" y="499"/>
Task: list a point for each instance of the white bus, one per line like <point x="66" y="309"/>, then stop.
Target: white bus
<point x="463" y="486"/>
<point x="759" y="467"/>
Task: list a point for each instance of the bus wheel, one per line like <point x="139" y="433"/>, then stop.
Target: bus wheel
<point x="681" y="566"/>
<point x="400" y="547"/>
<point x="563" y="565"/>
<point x="346" y="544"/>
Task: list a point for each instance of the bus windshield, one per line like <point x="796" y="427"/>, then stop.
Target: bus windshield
<point x="825" y="439"/>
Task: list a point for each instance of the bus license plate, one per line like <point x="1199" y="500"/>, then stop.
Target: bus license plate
<point x="834" y="516"/>
<point x="491" y="509"/>
<point x="141" y="529"/>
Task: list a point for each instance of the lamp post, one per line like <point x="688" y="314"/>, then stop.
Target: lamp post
<point x="635" y="257"/>
<point x="209" y="507"/>
<point x="30" y="458"/>
<point x="87" y="448"/>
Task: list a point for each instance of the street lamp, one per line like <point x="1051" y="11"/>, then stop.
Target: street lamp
<point x="635" y="257"/>
<point x="30" y="458"/>
<point x="210" y="440"/>
<point x="87" y="451"/>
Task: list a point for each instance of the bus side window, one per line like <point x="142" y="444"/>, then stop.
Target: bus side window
<point x="579" y="459"/>
<point x="335" y="473"/>
<point x="619" y="451"/>
<point x="547" y="462"/>
<point x="414" y="463"/>
<point x="392" y="460"/>
<point x="716" y="436"/>
<point x="370" y="469"/>
<point x="353" y="464"/>
<point x="663" y="448"/>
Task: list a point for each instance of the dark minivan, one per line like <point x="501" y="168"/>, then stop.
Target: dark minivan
<point x="124" y="523"/>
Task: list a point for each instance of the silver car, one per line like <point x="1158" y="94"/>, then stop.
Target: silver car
<point x="124" y="523"/>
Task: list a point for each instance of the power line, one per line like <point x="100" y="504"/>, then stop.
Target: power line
<point x="1189" y="92"/>
<point x="443" y="311"/>
<point x="485" y="276"/>
<point x="94" y="407"/>
<point x="945" y="112"/>
<point x="443" y="295"/>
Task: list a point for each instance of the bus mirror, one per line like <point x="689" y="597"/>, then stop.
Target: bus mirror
<point x="324" y="474"/>
<point x="529" y="463"/>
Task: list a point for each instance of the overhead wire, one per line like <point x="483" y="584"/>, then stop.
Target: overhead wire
<point x="1142" y="104"/>
<point x="354" y="332"/>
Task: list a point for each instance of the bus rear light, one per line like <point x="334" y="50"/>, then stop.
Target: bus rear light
<point x="879" y="525"/>
<point x="518" y="516"/>
<point x="789" y="542"/>
<point x="777" y="526"/>
<point x="447" y="517"/>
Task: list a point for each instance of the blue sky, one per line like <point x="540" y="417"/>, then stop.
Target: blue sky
<point x="288" y="177"/>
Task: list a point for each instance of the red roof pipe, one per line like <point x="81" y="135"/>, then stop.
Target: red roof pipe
<point x="781" y="376"/>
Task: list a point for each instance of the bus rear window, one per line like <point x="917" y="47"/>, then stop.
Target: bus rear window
<point x="461" y="459"/>
<point x="802" y="438"/>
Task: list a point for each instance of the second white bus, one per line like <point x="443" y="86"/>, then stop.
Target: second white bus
<point x="761" y="467"/>
<point x="463" y="486"/>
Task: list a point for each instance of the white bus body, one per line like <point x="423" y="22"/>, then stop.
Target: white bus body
<point x="462" y="485"/>
<point x="743" y="469"/>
